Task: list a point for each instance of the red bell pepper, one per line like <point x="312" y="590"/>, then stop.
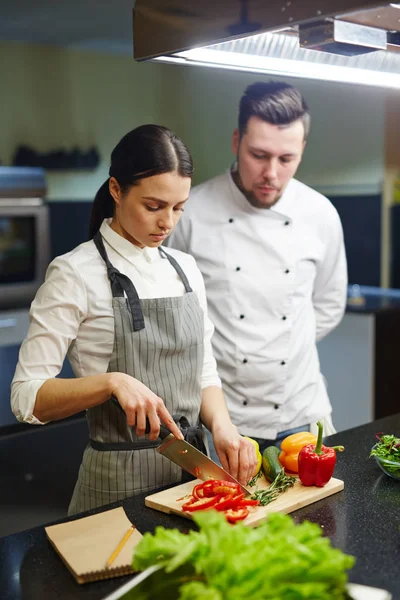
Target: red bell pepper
<point x="198" y="491"/>
<point x="317" y="462"/>
<point x="218" y="486"/>
<point x="200" y="503"/>
<point x="232" y="515"/>
<point x="229" y="501"/>
<point x="223" y="496"/>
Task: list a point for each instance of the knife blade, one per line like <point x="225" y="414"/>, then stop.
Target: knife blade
<point x="192" y="460"/>
<point x="188" y="457"/>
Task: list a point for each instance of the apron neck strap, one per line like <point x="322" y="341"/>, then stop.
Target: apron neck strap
<point x="121" y="283"/>
<point x="177" y="268"/>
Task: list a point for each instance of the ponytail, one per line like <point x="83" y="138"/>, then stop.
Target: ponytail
<point x="103" y="207"/>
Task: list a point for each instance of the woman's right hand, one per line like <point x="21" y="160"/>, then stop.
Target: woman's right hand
<point x="140" y="403"/>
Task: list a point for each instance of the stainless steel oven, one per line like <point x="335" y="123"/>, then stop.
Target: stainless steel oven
<point x="24" y="256"/>
<point x="24" y="235"/>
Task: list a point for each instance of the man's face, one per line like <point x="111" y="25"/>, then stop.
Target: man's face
<point x="268" y="157"/>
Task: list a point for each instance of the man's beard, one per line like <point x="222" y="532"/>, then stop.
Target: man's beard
<point x="250" y="197"/>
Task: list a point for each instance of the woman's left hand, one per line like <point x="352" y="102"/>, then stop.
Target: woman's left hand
<point x="236" y="453"/>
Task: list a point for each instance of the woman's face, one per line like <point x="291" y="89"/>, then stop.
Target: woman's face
<point x="147" y="213"/>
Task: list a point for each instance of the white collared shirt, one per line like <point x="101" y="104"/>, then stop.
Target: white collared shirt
<point x="72" y="313"/>
<point x="276" y="282"/>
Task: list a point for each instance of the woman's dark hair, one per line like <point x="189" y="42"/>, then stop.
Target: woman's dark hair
<point x="143" y="152"/>
<point x="274" y="102"/>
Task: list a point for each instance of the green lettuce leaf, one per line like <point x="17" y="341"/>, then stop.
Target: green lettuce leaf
<point x="278" y="560"/>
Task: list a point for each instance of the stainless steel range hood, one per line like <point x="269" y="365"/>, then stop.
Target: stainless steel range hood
<point x="356" y="41"/>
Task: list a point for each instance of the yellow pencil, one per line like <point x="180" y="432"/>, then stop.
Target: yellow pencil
<point x="120" y="546"/>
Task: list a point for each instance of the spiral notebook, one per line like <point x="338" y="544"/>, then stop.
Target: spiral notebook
<point x="85" y="545"/>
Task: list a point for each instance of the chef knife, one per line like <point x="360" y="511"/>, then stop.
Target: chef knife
<point x="191" y="459"/>
<point x="188" y="457"/>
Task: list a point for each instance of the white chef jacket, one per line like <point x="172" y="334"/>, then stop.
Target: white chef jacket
<point x="276" y="282"/>
<point x="72" y="313"/>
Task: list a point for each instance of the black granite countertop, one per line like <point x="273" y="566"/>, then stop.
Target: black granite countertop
<point x="372" y="300"/>
<point x="363" y="520"/>
<point x="374" y="304"/>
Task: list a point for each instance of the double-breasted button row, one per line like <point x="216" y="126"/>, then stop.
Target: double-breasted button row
<point x="243" y="317"/>
<point x="286" y="223"/>
<point x="245" y="361"/>
<point x="245" y="403"/>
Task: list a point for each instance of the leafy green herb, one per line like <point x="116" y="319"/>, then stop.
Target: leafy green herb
<point x="388" y="449"/>
<point x="254" y="480"/>
<point x="280" y="484"/>
<point x="278" y="560"/>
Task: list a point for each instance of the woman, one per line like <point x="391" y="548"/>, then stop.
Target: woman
<point x="132" y="318"/>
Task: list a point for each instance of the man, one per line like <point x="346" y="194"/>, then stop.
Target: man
<point x="272" y="255"/>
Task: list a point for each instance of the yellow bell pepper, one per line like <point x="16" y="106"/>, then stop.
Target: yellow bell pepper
<point x="258" y="454"/>
<point x="291" y="446"/>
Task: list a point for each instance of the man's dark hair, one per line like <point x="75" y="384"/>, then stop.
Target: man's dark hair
<point x="274" y="102"/>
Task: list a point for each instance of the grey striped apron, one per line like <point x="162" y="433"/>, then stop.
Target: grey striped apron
<point x="158" y="341"/>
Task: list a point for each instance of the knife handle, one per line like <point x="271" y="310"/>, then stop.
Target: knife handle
<point x="164" y="432"/>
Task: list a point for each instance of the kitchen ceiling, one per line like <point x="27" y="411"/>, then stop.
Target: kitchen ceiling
<point x="104" y="25"/>
<point x="95" y="24"/>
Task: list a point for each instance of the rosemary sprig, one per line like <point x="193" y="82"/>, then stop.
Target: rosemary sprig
<point x="254" y="480"/>
<point x="280" y="484"/>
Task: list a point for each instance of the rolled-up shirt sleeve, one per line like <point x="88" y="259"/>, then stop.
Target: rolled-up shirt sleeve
<point x="56" y="313"/>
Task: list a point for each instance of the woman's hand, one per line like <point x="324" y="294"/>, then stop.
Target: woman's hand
<point x="140" y="403"/>
<point x="237" y="455"/>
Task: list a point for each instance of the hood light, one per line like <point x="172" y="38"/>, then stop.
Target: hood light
<point x="283" y="67"/>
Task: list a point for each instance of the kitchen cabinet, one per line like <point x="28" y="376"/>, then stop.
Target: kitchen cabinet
<point x="362" y="520"/>
<point x="38" y="469"/>
<point x="14" y="326"/>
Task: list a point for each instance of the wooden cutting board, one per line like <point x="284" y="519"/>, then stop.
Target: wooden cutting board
<point x="170" y="501"/>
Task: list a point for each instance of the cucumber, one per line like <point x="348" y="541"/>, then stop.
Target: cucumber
<point x="270" y="463"/>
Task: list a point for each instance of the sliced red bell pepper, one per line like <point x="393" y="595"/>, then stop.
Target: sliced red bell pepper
<point x="200" y="504"/>
<point x="221" y="495"/>
<point x="224" y="487"/>
<point x="229" y="501"/>
<point x="208" y="488"/>
<point x="317" y="462"/>
<point x="245" y="502"/>
<point x="198" y="491"/>
<point x="236" y="515"/>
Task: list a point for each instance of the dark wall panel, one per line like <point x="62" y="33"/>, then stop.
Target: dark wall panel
<point x="69" y="225"/>
<point x="395" y="244"/>
<point x="361" y="220"/>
